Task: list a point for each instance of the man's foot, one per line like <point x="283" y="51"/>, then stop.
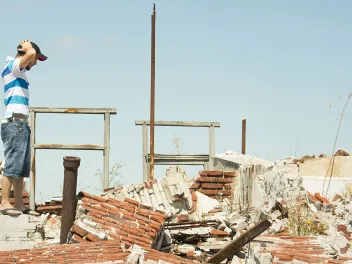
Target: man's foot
<point x="8" y="209"/>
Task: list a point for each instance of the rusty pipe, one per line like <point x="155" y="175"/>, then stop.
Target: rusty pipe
<point x="69" y="200"/>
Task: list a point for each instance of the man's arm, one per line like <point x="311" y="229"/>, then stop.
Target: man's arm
<point x="29" y="53"/>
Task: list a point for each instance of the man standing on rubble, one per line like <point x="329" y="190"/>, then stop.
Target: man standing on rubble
<point x="15" y="130"/>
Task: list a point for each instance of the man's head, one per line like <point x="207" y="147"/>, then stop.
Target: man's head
<point x="39" y="55"/>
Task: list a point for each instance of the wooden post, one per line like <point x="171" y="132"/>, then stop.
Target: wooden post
<point x="145" y="151"/>
<point x="107" y="150"/>
<point x="244" y="124"/>
<point x="32" y="172"/>
<point x="211" y="147"/>
<point x="152" y="97"/>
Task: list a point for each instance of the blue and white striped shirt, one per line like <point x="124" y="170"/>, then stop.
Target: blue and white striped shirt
<point x="16" y="93"/>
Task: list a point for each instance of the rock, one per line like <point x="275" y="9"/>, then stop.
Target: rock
<point x="239" y="224"/>
<point x="339" y="210"/>
<point x="276" y="227"/>
<point x="236" y="260"/>
<point x="275" y="215"/>
<point x="313" y="208"/>
<point x="183" y="249"/>
<point x="234" y="216"/>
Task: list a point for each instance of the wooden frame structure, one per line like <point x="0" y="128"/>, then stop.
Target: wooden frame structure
<point x="34" y="145"/>
<point x="164" y="159"/>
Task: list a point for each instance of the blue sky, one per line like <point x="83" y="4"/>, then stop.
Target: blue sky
<point x="278" y="63"/>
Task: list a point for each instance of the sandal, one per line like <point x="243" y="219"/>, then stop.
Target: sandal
<point x="30" y="212"/>
<point x="14" y="212"/>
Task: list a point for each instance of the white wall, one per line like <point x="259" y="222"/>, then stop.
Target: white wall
<point x="314" y="184"/>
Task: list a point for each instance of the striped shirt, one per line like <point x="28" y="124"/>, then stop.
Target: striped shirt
<point x="16" y="93"/>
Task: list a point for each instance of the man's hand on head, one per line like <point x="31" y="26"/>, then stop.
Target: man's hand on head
<point x="30" y="53"/>
<point x="25" y="46"/>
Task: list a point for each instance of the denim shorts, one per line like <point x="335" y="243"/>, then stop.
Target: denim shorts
<point x="15" y="136"/>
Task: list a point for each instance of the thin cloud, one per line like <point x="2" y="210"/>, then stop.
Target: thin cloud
<point x="68" y="43"/>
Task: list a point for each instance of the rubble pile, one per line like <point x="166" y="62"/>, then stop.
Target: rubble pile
<point x="283" y="248"/>
<point x="54" y="206"/>
<point x="90" y="252"/>
<point x="128" y="221"/>
<point x="258" y="213"/>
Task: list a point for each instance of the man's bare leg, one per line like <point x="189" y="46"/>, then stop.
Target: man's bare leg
<point x="18" y="190"/>
<point x="5" y="200"/>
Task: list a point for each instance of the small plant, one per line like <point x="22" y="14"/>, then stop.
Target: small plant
<point x="301" y="220"/>
<point x="176" y="142"/>
<point x="115" y="175"/>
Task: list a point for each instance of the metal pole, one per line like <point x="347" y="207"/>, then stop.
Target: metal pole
<point x="152" y="97"/>
<point x="71" y="165"/>
<point x="244" y="124"/>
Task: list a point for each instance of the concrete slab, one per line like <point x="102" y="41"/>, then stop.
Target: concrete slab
<point x="14" y="231"/>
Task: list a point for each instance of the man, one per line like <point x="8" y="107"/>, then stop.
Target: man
<point x="15" y="130"/>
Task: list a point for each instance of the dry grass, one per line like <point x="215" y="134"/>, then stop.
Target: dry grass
<point x="302" y="221"/>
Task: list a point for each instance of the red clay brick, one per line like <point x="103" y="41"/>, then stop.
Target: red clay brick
<point x="219" y="233"/>
<point x="337" y="197"/>
<point x="345" y="249"/>
<point x="321" y="198"/>
<point x="212" y="186"/>
<point x="214" y="180"/>
<point x="313" y="198"/>
<point x="182" y="218"/>
<point x="195" y="186"/>
<point x="215" y="192"/>
<point x="211" y="173"/>
<point x="131" y="201"/>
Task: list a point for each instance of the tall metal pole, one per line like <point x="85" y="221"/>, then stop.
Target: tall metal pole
<point x="152" y="97"/>
<point x="244" y="124"/>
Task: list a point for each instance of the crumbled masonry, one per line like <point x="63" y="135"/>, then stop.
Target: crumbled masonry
<point x="179" y="220"/>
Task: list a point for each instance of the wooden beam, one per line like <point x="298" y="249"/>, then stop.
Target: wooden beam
<point x="32" y="171"/>
<point x="145" y="151"/>
<point x="211" y="147"/>
<point x="236" y="245"/>
<point x="72" y="110"/>
<point x="244" y="128"/>
<point x="200" y="157"/>
<point x="179" y="162"/>
<point x="69" y="147"/>
<point x="106" y="179"/>
<point x="164" y="159"/>
<point x="178" y="123"/>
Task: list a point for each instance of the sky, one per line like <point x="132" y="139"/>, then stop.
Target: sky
<point x="284" y="65"/>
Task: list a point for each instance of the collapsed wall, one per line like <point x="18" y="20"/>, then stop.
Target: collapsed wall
<point x="170" y="194"/>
